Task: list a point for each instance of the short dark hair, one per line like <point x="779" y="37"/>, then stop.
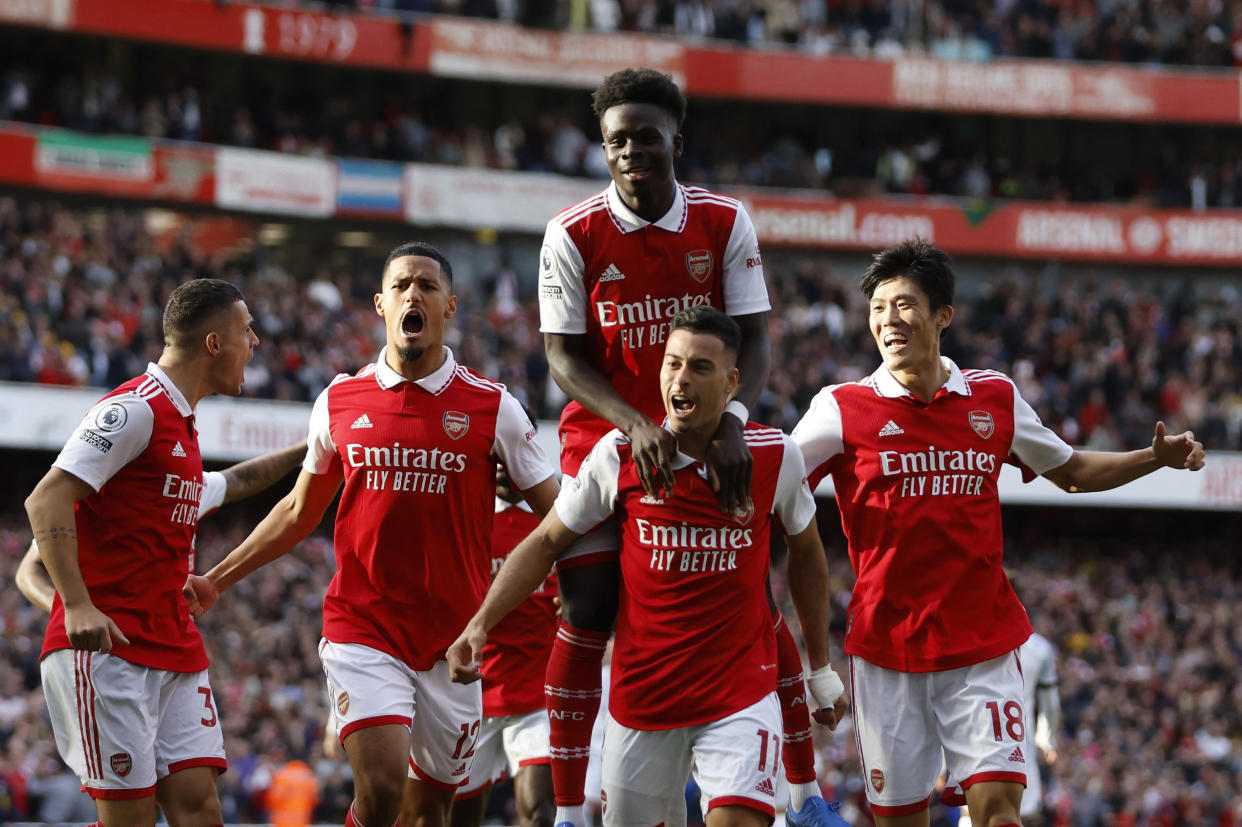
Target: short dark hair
<point x="419" y="248"/>
<point x="640" y="86"/>
<point x="922" y="262"/>
<point x="195" y="303"/>
<point x="706" y="319"/>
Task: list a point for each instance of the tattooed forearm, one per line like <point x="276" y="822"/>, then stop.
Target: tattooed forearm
<point x="56" y="533"/>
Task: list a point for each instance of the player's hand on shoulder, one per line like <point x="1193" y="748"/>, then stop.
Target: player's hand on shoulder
<point x="200" y="594"/>
<point x="653" y="449"/>
<point x="92" y="630"/>
<point x="1180" y="451"/>
<point x="828" y="691"/>
<point x="465" y="656"/>
<point x="730" y="464"/>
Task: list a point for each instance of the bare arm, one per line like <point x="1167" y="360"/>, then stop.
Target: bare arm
<point x="728" y="459"/>
<point x="523" y="572"/>
<point x="293" y="518"/>
<point x="653" y="447"/>
<point x="50" y="509"/>
<point x="1102" y="470"/>
<point x="809" y="588"/>
<point x="33" y="581"/>
<point x="248" y="478"/>
<point x="540" y="497"/>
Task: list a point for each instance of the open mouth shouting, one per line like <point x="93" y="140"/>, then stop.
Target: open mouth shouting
<point x="413" y="322"/>
<point x="683" y="405"/>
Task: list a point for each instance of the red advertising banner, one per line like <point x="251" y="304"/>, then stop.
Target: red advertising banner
<point x="1009" y="230"/>
<point x="458" y="47"/>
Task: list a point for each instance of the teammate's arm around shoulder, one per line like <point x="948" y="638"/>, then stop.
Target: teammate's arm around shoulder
<point x="728" y="458"/>
<point x="1102" y="470"/>
<point x="524" y="571"/>
<point x="293" y="518"/>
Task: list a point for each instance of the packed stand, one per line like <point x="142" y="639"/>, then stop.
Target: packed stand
<point x="1099" y="358"/>
<point x="148" y="90"/>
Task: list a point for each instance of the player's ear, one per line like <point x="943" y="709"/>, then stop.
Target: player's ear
<point x="678" y="144"/>
<point x="451" y="309"/>
<point x="944" y="315"/>
<point x="212" y="342"/>
<point x="379" y="305"/>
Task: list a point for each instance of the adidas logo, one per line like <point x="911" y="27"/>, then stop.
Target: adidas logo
<point x="363" y="421"/>
<point x="178" y="451"/>
<point x="765" y="787"/>
<point x="1016" y="755"/>
<point x="891" y="428"/>
<point x="611" y="273"/>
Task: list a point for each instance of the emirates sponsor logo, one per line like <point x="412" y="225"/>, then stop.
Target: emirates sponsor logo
<point x="121" y="764"/>
<point x="456" y="424"/>
<point x="699" y="264"/>
<point x="933" y="460"/>
<point x="687" y="536"/>
<point x="982" y="422"/>
<point x="399" y="456"/>
<point x="649" y="309"/>
<point x="877" y="780"/>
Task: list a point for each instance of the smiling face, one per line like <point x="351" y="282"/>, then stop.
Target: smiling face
<point x="416" y="304"/>
<point x="905" y="328"/>
<point x="640" y="142"/>
<point x="697" y="380"/>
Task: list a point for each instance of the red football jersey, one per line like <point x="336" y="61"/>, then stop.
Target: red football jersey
<point x="694" y="640"/>
<point x="516" y="655"/>
<point x="609" y="274"/>
<point x="138" y="449"/>
<point x="413" y="527"/>
<point x="916" y="485"/>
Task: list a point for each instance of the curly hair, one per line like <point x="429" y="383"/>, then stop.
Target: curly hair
<point x="640" y="86"/>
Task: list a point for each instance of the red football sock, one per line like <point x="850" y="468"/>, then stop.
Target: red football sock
<point x="572" y="689"/>
<point x="798" y="751"/>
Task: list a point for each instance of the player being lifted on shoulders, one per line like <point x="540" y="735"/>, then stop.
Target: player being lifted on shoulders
<point x="934" y="626"/>
<point x="414" y="439"/>
<point x="614" y="270"/>
<point x="694" y="662"/>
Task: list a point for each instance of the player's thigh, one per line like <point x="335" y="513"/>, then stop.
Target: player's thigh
<point x="447" y="720"/>
<point x="139" y="812"/>
<point x="589" y="573"/>
<point x="489" y="763"/>
<point x="734" y="815"/>
<point x="104" y="713"/>
<point x="981" y="723"/>
<point x="534" y="795"/>
<point x="188" y="797"/>
<point x="898" y="745"/>
<point x="468" y="807"/>
<point x="644" y="775"/>
<point x="737" y="759"/>
<point x="189" y="734"/>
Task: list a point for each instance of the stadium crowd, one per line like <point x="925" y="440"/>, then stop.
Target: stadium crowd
<point x="1151" y="662"/>
<point x="1099" y="359"/>
<point x="140" y="89"/>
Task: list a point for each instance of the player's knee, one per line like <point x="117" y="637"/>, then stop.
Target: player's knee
<point x="378" y="796"/>
<point x="189" y="798"/>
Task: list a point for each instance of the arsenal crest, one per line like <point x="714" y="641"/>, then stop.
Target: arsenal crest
<point x="743" y="515"/>
<point x="699" y="263"/>
<point x="456" y="424"/>
<point x="877" y="780"/>
<point x="342" y="703"/>
<point x="122" y="764"/>
<point x="981" y="421"/>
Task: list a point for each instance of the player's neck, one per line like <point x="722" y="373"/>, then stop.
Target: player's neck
<point x="651" y="205"/>
<point x="694" y="442"/>
<point x="190" y="379"/>
<point x="427" y="363"/>
<point x="924" y="379"/>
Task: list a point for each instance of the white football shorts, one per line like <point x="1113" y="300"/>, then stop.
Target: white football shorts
<point x="370" y="688"/>
<point x="122" y="727"/>
<point x="505" y="746"/>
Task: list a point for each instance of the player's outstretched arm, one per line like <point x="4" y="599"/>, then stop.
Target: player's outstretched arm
<point x="524" y="571"/>
<point x="293" y="518"/>
<point x="540" y="497"/>
<point x="809" y="587"/>
<point x="653" y="447"/>
<point x="728" y="459"/>
<point x="33" y="581"/>
<point x="1102" y="470"/>
<point x="50" y="509"/>
<point x="245" y="479"/>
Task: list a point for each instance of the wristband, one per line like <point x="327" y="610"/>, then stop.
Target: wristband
<point x="826" y="686"/>
<point x="739" y="410"/>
